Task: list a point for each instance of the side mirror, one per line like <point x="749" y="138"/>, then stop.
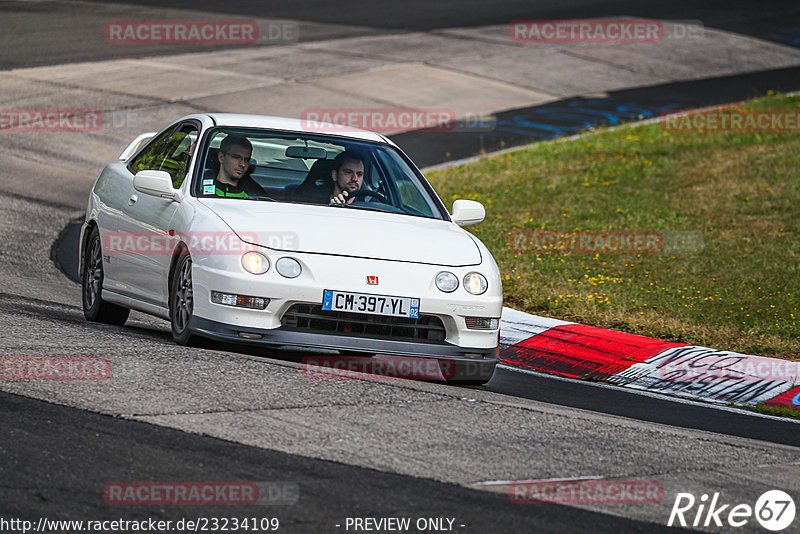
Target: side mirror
<point x="467" y="212"/>
<point x="155" y="183"/>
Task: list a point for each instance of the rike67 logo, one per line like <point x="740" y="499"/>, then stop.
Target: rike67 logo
<point x="774" y="510"/>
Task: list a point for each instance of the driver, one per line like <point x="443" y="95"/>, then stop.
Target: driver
<point x="348" y="176"/>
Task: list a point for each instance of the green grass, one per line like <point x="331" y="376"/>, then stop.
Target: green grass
<point x="736" y="288"/>
<point x="779" y="411"/>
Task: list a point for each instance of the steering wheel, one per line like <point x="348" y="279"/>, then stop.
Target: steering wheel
<point x="361" y="193"/>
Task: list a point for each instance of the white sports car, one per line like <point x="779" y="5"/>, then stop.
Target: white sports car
<point x="252" y="229"/>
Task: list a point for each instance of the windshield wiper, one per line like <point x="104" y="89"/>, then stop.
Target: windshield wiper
<point x="268" y="199"/>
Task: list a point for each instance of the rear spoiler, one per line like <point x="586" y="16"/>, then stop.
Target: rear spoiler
<point x="131" y="149"/>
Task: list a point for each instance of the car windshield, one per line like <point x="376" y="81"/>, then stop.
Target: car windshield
<point x="311" y="169"/>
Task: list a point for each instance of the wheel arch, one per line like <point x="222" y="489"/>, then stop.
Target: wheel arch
<point x="91" y="224"/>
<point x="176" y="254"/>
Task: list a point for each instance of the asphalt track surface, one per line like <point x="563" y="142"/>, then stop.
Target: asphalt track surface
<point x="68" y="482"/>
<point x="56" y="459"/>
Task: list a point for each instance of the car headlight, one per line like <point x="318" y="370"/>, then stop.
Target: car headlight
<point x="288" y="267"/>
<point x="446" y="281"/>
<point x="255" y="263"/>
<point x="475" y="283"/>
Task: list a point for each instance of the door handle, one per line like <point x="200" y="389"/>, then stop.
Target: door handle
<point x="132" y="200"/>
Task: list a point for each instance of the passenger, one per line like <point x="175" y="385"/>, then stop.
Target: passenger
<point x="233" y="177"/>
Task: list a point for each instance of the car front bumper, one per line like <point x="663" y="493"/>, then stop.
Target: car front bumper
<point x="225" y="274"/>
<point x="456" y="363"/>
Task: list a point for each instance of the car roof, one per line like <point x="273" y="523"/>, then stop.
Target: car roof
<point x="293" y="125"/>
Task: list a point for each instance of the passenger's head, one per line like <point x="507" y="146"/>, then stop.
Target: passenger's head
<point x="234" y="156"/>
<point x="348" y="171"/>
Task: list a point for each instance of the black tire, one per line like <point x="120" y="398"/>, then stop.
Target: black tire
<point x="95" y="309"/>
<point x="181" y="301"/>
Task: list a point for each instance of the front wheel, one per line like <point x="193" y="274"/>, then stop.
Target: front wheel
<point x="95" y="309"/>
<point x="181" y="301"/>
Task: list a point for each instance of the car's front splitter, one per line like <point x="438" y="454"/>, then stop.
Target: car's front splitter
<point x="459" y="363"/>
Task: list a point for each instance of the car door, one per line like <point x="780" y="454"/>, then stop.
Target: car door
<point x="146" y="219"/>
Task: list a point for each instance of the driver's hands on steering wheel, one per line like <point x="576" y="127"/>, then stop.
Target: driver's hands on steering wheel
<point x="358" y="194"/>
<point x="341" y="198"/>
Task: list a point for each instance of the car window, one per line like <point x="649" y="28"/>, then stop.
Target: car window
<point x="409" y="189"/>
<point x="299" y="168"/>
<point x="171" y="152"/>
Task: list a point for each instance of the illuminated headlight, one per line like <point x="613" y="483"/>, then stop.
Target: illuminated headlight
<point x="446" y="282"/>
<point x="255" y="263"/>
<point x="475" y="283"/>
<point x="240" y="301"/>
<point x="482" y="323"/>
<point x="288" y="267"/>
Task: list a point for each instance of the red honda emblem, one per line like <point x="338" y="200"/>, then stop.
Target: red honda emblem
<point x="372" y="280"/>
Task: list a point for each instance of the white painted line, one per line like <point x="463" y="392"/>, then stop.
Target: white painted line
<point x="507" y="482"/>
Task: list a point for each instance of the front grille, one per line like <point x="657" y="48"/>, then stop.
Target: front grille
<point x="312" y="318"/>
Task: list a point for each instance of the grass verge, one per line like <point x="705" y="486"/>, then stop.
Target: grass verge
<point x="779" y="411"/>
<point x="724" y="209"/>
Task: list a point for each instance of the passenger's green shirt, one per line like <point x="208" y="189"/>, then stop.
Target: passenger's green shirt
<point x="226" y="190"/>
<point x="247" y="187"/>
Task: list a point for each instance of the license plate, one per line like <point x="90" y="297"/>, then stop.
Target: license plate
<point x="373" y="304"/>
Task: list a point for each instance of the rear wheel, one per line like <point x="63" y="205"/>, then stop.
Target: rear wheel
<point x="95" y="309"/>
<point x="181" y="301"/>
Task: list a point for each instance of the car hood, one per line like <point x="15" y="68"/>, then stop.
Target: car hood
<point x="347" y="232"/>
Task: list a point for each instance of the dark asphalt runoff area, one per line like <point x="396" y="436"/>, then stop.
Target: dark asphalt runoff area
<point x="57" y="461"/>
<point x="742" y="16"/>
<point x="39" y="28"/>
